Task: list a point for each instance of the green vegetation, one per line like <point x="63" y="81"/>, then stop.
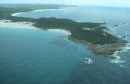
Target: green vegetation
<point x="86" y="32"/>
<point x="95" y="36"/>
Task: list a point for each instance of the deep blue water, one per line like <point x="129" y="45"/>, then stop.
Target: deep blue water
<point x="41" y="57"/>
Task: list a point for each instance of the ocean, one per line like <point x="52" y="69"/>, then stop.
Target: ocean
<point x="42" y="57"/>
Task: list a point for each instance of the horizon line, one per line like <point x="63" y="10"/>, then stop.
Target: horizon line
<point x="61" y="4"/>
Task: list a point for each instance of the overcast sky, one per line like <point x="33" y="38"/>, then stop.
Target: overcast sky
<point x="120" y="3"/>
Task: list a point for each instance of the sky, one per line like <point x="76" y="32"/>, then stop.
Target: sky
<point x="118" y="3"/>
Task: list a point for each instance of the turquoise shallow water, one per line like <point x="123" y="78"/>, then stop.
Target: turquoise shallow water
<point x="32" y="56"/>
<point x="41" y="57"/>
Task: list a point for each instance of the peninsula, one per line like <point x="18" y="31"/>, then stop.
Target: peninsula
<point x="92" y="35"/>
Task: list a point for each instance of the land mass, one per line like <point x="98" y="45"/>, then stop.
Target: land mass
<point x="93" y="35"/>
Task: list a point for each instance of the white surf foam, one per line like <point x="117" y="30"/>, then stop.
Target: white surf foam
<point x="62" y="31"/>
<point x="88" y="60"/>
<point x="118" y="61"/>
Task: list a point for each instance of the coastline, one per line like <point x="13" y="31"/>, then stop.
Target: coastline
<point x="107" y="50"/>
<point x="47" y="10"/>
<point x="24" y="25"/>
<point x="17" y="13"/>
<point x="29" y="25"/>
<point x="116" y="58"/>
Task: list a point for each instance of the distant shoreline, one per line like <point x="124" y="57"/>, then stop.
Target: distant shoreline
<point x="16" y="14"/>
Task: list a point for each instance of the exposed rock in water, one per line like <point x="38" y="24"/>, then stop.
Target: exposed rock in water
<point x="108" y="50"/>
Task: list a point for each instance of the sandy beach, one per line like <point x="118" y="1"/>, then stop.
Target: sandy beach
<point x="48" y="10"/>
<point x="9" y="24"/>
<point x="16" y="14"/>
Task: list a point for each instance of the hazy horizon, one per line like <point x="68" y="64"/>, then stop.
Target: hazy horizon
<point x="115" y="3"/>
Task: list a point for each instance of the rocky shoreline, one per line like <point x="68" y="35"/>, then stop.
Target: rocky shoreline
<point x="108" y="50"/>
<point x="105" y="50"/>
